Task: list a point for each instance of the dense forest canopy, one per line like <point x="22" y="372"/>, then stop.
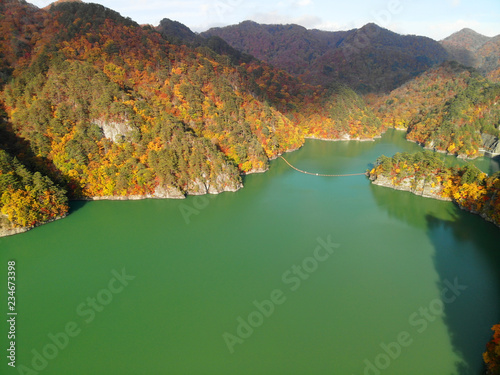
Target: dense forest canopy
<point x="107" y="108"/>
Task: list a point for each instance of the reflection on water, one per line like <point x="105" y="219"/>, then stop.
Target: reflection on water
<point x="469" y="319"/>
<point x="466" y="251"/>
<point x="410" y="208"/>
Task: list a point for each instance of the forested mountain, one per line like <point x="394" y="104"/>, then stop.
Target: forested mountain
<point x="367" y="59"/>
<point x="473" y="49"/>
<point x="106" y="108"/>
<point x="463" y="45"/>
<point x="489" y="55"/>
<point x="177" y="33"/>
<point x="467" y="39"/>
<point x="451" y="108"/>
<point x="28" y="198"/>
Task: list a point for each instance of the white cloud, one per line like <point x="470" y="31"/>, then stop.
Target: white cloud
<point x="303" y="3"/>
<point x="40" y="3"/>
<point x="336" y="26"/>
<point x="307" y="20"/>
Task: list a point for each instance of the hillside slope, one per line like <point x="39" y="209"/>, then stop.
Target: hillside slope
<point x="450" y="108"/>
<point x="367" y="59"/>
<point x="473" y="49"/>
<point x="108" y="109"/>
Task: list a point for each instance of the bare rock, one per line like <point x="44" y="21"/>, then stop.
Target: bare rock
<point x="113" y="130"/>
<point x="491" y="144"/>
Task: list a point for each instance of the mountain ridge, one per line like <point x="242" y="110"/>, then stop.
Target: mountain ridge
<point x="367" y="59"/>
<point x="473" y="49"/>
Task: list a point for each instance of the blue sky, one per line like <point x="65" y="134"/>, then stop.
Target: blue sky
<point x="433" y="18"/>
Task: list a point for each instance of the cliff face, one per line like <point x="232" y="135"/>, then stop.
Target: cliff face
<point x="218" y="184"/>
<point x="487" y="212"/>
<point x="113" y="130"/>
<point x="491" y="144"/>
<point x="417" y="187"/>
<point x="221" y="183"/>
<point x="7" y="228"/>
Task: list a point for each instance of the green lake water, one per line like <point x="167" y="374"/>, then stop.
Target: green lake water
<point x="401" y="285"/>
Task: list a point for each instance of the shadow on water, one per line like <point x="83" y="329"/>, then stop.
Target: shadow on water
<point x="75" y="206"/>
<point x="467" y="253"/>
<point x="495" y="161"/>
<point x="411" y="209"/>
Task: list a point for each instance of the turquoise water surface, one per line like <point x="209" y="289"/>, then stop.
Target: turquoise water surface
<point x="294" y="274"/>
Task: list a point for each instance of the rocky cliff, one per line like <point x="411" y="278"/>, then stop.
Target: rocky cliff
<point x="491" y="144"/>
<point x="419" y="187"/>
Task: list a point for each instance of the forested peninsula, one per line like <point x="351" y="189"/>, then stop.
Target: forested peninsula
<point x="424" y="174"/>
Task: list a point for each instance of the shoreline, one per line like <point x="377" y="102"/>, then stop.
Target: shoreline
<point x="348" y="139"/>
<point x="421" y="190"/>
<point x="386" y="182"/>
<point x="481" y="151"/>
<point x="12" y="230"/>
<point x="163" y="193"/>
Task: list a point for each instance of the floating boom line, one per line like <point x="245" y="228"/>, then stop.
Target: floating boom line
<point x="319" y="174"/>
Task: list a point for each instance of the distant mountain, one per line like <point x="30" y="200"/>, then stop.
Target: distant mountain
<point x="367" y="59"/>
<point x="489" y="55"/>
<point x="473" y="49"/>
<point x="289" y="47"/>
<point x="467" y="39"/>
<point x="179" y="34"/>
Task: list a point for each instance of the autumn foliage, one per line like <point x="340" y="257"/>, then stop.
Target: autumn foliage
<point x="445" y="109"/>
<point x="28" y="199"/>
<point x="492" y="354"/>
<point x="106" y="108"/>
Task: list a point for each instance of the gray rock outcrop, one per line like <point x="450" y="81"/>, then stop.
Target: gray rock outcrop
<point x="491" y="144"/>
<point x="113" y="130"/>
